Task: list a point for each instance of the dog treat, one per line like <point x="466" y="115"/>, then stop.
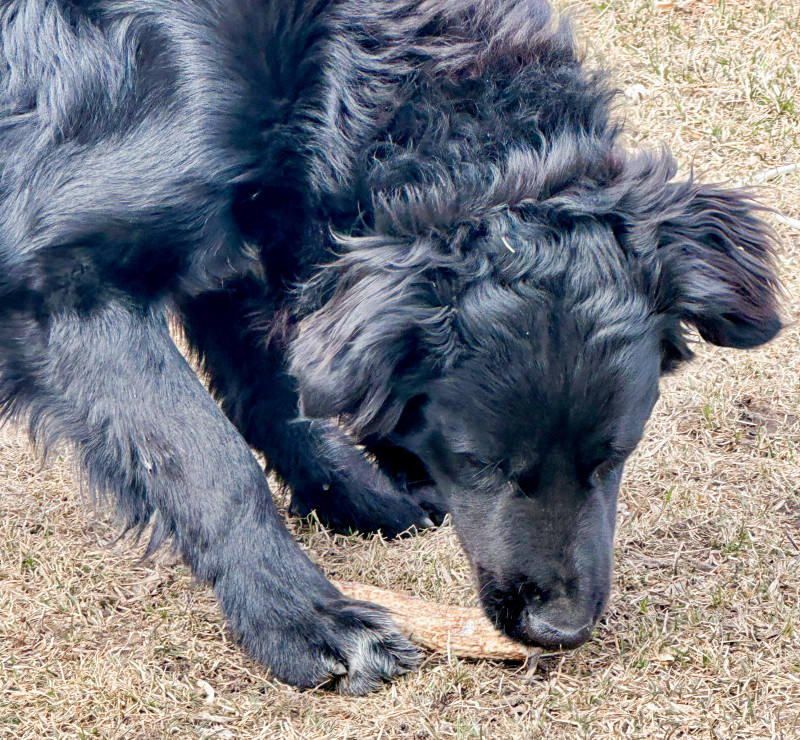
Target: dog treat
<point x="463" y="631"/>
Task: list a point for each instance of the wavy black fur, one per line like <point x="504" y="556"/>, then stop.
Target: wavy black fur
<point x="413" y="216"/>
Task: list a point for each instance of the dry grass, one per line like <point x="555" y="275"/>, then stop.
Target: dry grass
<point x="702" y="636"/>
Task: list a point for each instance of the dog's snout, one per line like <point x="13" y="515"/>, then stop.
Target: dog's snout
<point x="554" y="613"/>
<point x="556" y="581"/>
<point x="561" y="623"/>
<point x="553" y="607"/>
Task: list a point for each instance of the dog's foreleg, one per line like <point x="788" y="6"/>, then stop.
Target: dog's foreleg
<point x="150" y="438"/>
<point x="325" y="472"/>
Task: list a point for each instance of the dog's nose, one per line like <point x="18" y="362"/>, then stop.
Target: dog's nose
<point x="559" y="624"/>
<point x="552" y="607"/>
<point x="556" y="612"/>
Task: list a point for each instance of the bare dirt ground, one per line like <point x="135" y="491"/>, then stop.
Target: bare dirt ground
<point x="702" y="635"/>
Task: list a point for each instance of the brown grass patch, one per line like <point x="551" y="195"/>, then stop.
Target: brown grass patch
<point x="702" y="636"/>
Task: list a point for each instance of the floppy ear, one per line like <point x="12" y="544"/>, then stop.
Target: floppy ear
<point x="364" y="353"/>
<point x="717" y="267"/>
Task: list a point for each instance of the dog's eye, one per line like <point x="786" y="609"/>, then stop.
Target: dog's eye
<point x="592" y="469"/>
<point x="467" y="458"/>
<point x="599" y="469"/>
<point x="469" y="461"/>
<point x="473" y="466"/>
<point x="602" y="470"/>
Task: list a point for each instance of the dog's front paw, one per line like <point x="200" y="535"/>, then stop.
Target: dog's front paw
<point x="348" y="646"/>
<point x="372" y="649"/>
<point x="431" y="499"/>
<point x="361" y="499"/>
<point x="346" y="511"/>
<point x="410" y="478"/>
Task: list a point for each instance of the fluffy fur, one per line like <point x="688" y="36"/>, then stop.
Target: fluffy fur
<point x="413" y="217"/>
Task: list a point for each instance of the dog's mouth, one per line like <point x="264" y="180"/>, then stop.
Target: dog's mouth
<point x="502" y="606"/>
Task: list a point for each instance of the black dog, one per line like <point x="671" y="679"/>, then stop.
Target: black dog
<point x="420" y="210"/>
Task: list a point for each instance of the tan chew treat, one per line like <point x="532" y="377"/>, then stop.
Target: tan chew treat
<point x="463" y="631"/>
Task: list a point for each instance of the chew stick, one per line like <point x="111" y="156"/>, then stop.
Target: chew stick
<point x="462" y="631"/>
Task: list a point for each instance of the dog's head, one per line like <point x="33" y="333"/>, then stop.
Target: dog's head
<point x="517" y="350"/>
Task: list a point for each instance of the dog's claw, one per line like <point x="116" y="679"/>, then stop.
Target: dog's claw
<point x="340" y="669"/>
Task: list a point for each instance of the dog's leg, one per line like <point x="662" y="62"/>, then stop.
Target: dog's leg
<point x="409" y="474"/>
<point x="325" y="472"/>
<point x="149" y="437"/>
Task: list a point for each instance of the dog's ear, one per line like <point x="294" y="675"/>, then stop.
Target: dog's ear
<point x="367" y="349"/>
<point x="716" y="262"/>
